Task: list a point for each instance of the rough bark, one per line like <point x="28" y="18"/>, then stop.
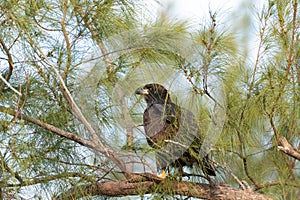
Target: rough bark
<point x="287" y="148"/>
<point x="146" y="185"/>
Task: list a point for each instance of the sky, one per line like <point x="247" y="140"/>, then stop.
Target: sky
<point x="191" y="9"/>
<point x="232" y="14"/>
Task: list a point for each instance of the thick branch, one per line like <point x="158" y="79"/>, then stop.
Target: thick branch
<point x="287" y="148"/>
<point x="167" y="187"/>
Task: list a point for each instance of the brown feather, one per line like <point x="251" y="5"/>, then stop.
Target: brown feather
<point x="172" y="130"/>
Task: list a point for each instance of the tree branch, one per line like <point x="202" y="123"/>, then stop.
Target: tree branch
<point x="228" y="171"/>
<point x="109" y="153"/>
<point x="46" y="179"/>
<point x="166" y="186"/>
<point x="96" y="143"/>
<point x="110" y="70"/>
<point x="11" y="67"/>
<point x="67" y="41"/>
<point x="287" y="148"/>
<point x="5" y="82"/>
<point x="50" y="127"/>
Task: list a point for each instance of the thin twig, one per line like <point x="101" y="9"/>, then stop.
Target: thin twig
<point x="240" y="182"/>
<point x="10" y="63"/>
<point x="68" y="45"/>
<point x="72" y="103"/>
<point x="177" y="143"/>
<point x="10" y="86"/>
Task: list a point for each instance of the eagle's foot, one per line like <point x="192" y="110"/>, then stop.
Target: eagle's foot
<point x="163" y="174"/>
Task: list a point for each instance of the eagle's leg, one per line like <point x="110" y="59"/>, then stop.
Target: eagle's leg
<point x="180" y="171"/>
<point x="163" y="173"/>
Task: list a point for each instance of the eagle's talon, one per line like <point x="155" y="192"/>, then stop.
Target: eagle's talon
<point x="163" y="174"/>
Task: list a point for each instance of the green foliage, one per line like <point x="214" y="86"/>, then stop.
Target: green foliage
<point x="98" y="46"/>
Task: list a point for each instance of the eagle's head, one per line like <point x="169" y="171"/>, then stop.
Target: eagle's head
<point x="154" y="93"/>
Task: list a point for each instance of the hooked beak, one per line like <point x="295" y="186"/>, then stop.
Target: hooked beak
<point x="142" y="91"/>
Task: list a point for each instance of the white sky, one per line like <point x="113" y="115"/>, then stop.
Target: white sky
<point x="199" y="8"/>
<point x="189" y="9"/>
<point x="230" y="13"/>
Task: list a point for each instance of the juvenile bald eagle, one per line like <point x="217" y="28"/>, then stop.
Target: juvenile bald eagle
<point x="172" y="131"/>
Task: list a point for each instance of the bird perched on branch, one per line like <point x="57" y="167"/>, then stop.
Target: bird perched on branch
<point x="172" y="131"/>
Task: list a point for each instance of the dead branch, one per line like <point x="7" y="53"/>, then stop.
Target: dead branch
<point x="287" y="148"/>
